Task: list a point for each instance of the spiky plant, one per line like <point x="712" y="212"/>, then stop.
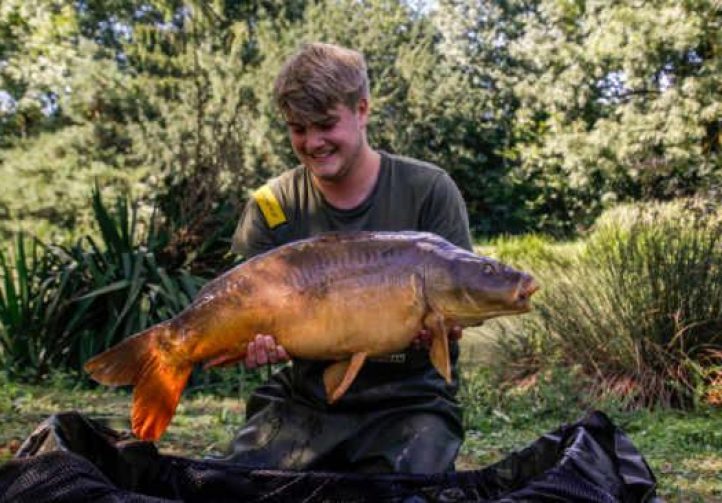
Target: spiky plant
<point x="643" y="305"/>
<point x="59" y="305"/>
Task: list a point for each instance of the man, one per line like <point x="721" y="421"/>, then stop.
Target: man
<point x="399" y="415"/>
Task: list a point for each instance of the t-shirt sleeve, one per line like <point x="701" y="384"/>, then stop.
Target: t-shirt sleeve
<point x="252" y="235"/>
<point x="444" y="212"/>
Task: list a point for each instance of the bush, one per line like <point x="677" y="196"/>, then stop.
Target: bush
<point x="641" y="312"/>
<point x="61" y="305"/>
<point x="530" y="251"/>
<point x="29" y="302"/>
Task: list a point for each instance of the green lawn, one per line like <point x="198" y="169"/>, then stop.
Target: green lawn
<point x="684" y="449"/>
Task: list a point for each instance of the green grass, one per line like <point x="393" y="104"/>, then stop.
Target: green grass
<point x="683" y="449"/>
<point x="203" y="425"/>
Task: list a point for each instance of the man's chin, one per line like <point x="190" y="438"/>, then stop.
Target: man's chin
<point x="327" y="172"/>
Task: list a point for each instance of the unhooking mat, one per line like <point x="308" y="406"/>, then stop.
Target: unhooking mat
<point x="70" y="458"/>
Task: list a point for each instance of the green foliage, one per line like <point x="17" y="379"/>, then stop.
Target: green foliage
<point x="61" y="305"/>
<point x="22" y="297"/>
<point x="531" y="251"/>
<point x="50" y="176"/>
<point x="37" y="56"/>
<point x="640" y="310"/>
<point x="596" y="102"/>
<point x="625" y="99"/>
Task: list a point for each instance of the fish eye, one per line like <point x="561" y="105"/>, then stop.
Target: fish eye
<point x="487" y="269"/>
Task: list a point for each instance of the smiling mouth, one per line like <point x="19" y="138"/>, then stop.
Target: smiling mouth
<point x="321" y="155"/>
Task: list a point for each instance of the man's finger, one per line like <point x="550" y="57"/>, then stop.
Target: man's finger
<point x="423" y="339"/>
<point x="272" y="355"/>
<point x="261" y="355"/>
<point x="250" y="360"/>
<point x="282" y="354"/>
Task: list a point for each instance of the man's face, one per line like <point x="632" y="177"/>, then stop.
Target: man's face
<point x="330" y="147"/>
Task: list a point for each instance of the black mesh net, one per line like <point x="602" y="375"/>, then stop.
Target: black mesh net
<point x="71" y="458"/>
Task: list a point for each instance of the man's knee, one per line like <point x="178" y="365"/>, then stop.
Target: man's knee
<point x="420" y="443"/>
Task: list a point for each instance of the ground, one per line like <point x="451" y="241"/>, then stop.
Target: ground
<point x="684" y="450"/>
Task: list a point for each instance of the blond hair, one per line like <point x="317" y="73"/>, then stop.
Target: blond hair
<point x="319" y="77"/>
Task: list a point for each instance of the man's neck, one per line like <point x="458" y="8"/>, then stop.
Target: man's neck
<point x="354" y="188"/>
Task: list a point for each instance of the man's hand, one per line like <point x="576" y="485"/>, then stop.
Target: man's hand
<point x="263" y="350"/>
<point x="423" y="340"/>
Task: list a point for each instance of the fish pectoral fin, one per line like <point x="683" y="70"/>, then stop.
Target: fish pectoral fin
<point x="337" y="377"/>
<point x="440" y="357"/>
<point x="224" y="360"/>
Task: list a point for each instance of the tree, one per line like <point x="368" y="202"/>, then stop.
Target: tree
<point x="475" y="40"/>
<point x="626" y="97"/>
<point x="599" y="102"/>
<point x="36" y="52"/>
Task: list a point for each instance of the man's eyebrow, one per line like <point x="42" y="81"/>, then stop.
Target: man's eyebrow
<point x="329" y="119"/>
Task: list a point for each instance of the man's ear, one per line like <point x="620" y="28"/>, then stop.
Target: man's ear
<point x="363" y="108"/>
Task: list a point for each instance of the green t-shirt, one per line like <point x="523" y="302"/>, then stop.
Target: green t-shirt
<point x="408" y="195"/>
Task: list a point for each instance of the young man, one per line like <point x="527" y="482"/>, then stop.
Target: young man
<point x="399" y="415"/>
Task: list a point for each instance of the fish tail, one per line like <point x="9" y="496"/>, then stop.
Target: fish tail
<point x="143" y="362"/>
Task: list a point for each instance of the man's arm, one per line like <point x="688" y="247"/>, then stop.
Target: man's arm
<point x="444" y="212"/>
<point x="252" y="237"/>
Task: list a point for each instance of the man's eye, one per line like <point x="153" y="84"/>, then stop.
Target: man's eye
<point x="326" y="126"/>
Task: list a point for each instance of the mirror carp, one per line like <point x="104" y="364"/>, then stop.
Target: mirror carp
<point x="342" y="297"/>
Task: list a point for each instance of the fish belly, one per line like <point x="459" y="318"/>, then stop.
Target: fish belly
<point x="351" y="320"/>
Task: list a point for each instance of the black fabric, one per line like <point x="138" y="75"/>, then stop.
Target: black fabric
<point x="590" y="460"/>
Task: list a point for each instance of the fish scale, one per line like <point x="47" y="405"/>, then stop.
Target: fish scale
<point x="351" y="265"/>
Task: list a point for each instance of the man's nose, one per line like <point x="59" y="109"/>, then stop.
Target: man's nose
<point x="314" y="140"/>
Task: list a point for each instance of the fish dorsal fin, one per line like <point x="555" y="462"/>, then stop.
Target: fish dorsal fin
<point x="440" y="358"/>
<point x="337" y="377"/>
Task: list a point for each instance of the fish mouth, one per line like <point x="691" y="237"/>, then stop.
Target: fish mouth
<point x="526" y="288"/>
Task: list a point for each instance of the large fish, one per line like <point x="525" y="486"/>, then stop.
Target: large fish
<point x="342" y="297"/>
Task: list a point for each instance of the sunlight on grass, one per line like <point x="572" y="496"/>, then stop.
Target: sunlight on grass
<point x="694" y="478"/>
<point x="218" y="418"/>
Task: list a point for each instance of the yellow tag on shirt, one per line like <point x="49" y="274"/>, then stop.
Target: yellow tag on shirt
<point x="270" y="207"/>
